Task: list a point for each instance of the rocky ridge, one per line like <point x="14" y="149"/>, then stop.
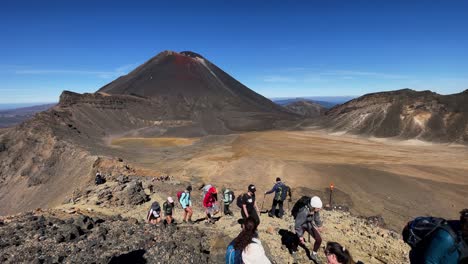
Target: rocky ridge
<point x="116" y="229"/>
<point x="404" y="114"/>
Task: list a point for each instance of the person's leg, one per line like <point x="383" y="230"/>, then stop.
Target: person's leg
<point x="281" y="210"/>
<point x="185" y="214"/>
<point x="272" y="212"/>
<point x="254" y="215"/>
<point x="189" y="213"/>
<point x="317" y="237"/>
<point x="226" y="209"/>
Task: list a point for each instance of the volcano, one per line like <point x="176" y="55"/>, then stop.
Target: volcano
<point x="173" y="94"/>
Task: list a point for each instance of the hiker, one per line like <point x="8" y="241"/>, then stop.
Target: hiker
<point x="248" y="204"/>
<point x="99" y="179"/>
<point x="154" y="214"/>
<point x="168" y="208"/>
<point x="246" y="247"/>
<point x="210" y="202"/>
<point x="228" y="198"/>
<point x="186" y="204"/>
<point x="281" y="190"/>
<point x="307" y="218"/>
<point x="338" y="254"/>
<point x="436" y="240"/>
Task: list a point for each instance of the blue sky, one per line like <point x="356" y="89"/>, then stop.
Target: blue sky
<point x="277" y="48"/>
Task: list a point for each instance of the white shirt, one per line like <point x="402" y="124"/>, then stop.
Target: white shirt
<point x="254" y="253"/>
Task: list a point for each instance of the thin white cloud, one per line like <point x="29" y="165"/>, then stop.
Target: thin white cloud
<point x="364" y="73"/>
<point x="122" y="70"/>
<point x="278" y="78"/>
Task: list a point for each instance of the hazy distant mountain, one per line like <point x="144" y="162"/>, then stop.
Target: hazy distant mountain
<point x="405" y="114"/>
<point x="306" y="108"/>
<point x="15" y="116"/>
<point x="325" y="101"/>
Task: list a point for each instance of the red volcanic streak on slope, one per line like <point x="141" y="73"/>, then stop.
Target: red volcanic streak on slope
<point x="184" y="65"/>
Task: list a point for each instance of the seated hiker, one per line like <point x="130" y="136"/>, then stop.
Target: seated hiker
<point x="99" y="179"/>
<point x="307" y="219"/>
<point x="154" y="214"/>
<point x="246" y="247"/>
<point x="248" y="204"/>
<point x="338" y="254"/>
<point x="281" y="190"/>
<point x="168" y="208"/>
<point x="228" y="198"/>
<point x="435" y="240"/>
<point x="210" y="203"/>
<point x="186" y="203"/>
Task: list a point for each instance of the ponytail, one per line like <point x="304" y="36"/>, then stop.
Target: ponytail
<point x="342" y="253"/>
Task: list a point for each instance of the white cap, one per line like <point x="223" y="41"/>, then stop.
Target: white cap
<point x="169" y="199"/>
<point x="315" y="202"/>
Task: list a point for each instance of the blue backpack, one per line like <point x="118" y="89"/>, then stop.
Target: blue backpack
<point x="233" y="256"/>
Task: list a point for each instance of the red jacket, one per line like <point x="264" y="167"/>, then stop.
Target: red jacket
<point x="210" y="197"/>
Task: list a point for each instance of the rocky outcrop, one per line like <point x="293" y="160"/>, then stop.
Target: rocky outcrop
<point x="404" y="114"/>
<point x="84" y="239"/>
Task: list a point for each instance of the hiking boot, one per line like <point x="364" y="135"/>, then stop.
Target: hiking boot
<point x="185" y="221"/>
<point x="270" y="214"/>
<point x="315" y="259"/>
<point x="191" y="222"/>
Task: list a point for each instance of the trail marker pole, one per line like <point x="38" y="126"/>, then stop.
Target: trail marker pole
<point x="331" y="193"/>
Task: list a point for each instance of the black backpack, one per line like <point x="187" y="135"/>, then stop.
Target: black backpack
<point x="240" y="200"/>
<point x="419" y="232"/>
<point x="155" y="206"/>
<point x="301" y="203"/>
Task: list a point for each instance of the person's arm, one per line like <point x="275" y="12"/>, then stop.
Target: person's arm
<point x="301" y="218"/>
<point x="317" y="219"/>
<point x="441" y="243"/>
<point x="272" y="189"/>
<point x="244" y="207"/>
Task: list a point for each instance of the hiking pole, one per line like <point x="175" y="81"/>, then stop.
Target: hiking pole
<point x="261" y="209"/>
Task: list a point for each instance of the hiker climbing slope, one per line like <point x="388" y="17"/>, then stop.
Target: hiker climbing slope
<point x="246" y="247"/>
<point x="436" y="240"/>
<point x="154" y="214"/>
<point x="168" y="208"/>
<point x="228" y="198"/>
<point x="248" y="204"/>
<point x="307" y="219"/>
<point x="186" y="203"/>
<point x="210" y="203"/>
<point x="281" y="191"/>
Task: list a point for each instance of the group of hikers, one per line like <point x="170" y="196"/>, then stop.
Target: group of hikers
<point x="432" y="240"/>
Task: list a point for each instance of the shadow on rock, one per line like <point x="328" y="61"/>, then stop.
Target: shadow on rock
<point x="135" y="257"/>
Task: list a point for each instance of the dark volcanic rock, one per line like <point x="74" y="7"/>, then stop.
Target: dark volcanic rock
<point x="113" y="241"/>
<point x="135" y="194"/>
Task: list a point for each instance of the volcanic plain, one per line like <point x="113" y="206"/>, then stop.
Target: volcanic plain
<point x="394" y="179"/>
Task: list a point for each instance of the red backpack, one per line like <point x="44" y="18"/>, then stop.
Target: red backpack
<point x="179" y="194"/>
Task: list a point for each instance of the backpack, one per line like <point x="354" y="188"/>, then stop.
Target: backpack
<point x="179" y="195"/>
<point x="419" y="232"/>
<point x="301" y="203"/>
<point x="240" y="200"/>
<point x="155" y="206"/>
<point x="205" y="189"/>
<point x="233" y="256"/>
<point x="281" y="192"/>
<point x="229" y="195"/>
